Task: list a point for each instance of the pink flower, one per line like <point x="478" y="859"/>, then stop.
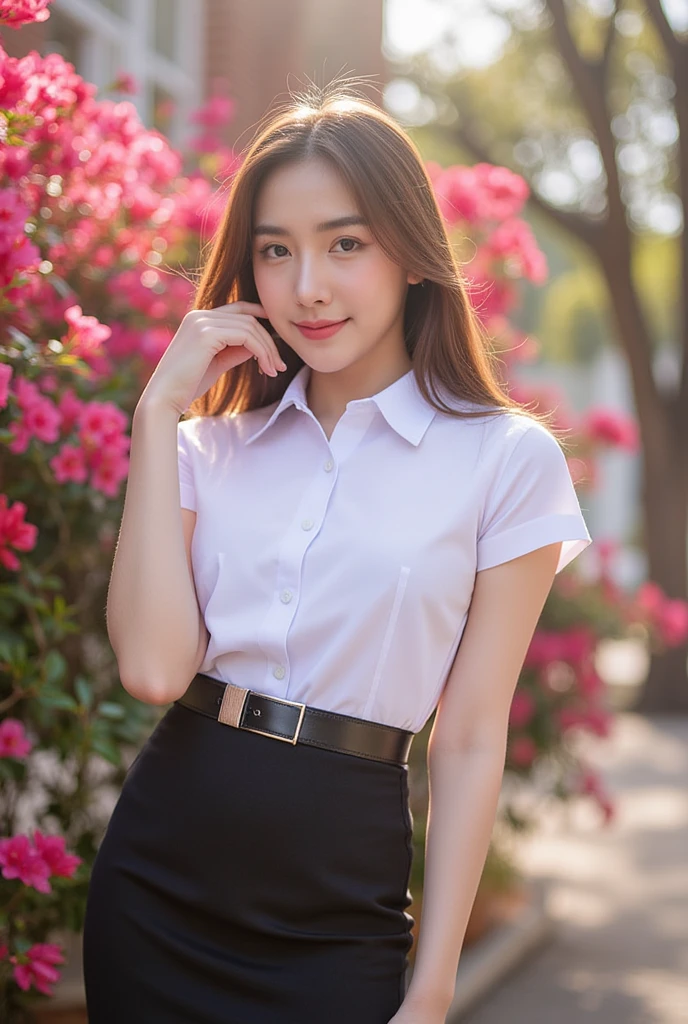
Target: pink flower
<point x="589" y="784"/>
<point x="607" y="426"/>
<point x="504" y="192"/>
<point x="573" y="645"/>
<point x="69" y="465"/>
<point x="26" y="393"/>
<point x="669" y="617"/>
<point x="673" y="622"/>
<point x="590" y="684"/>
<point x="85" y="333"/>
<point x="457" y="194"/>
<point x="14" y="532"/>
<point x="154" y="342"/>
<point x="13" y="739"/>
<point x="6" y="372"/>
<point x="649" y="598"/>
<point x="52" y="850"/>
<point x="514" y="242"/>
<point x="480" y="193"/>
<point x="522" y="751"/>
<point x="125" y="82"/>
<point x="70" y="406"/>
<point x="33" y="865"/>
<point x="13" y="216"/>
<point x="522" y="709"/>
<point x="595" y="720"/>
<point x="42" y="420"/>
<point x="577" y="644"/>
<point x="15" y="13"/>
<point x="100" y="423"/>
<point x="35" y="967"/>
<point x="20" y="860"/>
<point x="112" y="468"/>
<point x="215" y="112"/>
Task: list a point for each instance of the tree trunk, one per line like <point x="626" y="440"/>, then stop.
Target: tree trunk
<point x="664" y="434"/>
<point x="665" y="500"/>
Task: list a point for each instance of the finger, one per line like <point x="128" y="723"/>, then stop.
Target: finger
<point x="244" y="333"/>
<point x="277" y="358"/>
<point x="276" y="361"/>
<point x="242" y="305"/>
<point x="227" y="315"/>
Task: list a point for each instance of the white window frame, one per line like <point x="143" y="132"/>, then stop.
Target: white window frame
<point x="182" y="79"/>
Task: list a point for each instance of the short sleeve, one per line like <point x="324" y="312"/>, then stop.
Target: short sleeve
<point x="533" y="503"/>
<point x="187" y="489"/>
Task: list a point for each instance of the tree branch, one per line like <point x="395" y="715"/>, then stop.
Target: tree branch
<point x="672" y="43"/>
<point x="677" y="51"/>
<point x="589" y="83"/>
<point x="609" y="43"/>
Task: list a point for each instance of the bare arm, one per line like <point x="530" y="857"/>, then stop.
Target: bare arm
<point x="466" y="755"/>
<point x="153" y="618"/>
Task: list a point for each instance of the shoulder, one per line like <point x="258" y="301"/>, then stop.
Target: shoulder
<point x="513" y="434"/>
<point x="204" y="434"/>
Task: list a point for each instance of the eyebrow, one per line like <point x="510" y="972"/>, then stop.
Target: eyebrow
<point x="327" y="225"/>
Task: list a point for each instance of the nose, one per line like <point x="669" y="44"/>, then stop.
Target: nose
<point x="311" y="283"/>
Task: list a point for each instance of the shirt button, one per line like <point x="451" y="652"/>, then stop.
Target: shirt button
<point x="307" y="524"/>
<point x="278" y="672"/>
<point x="328" y="465"/>
<point x="286" y="596"/>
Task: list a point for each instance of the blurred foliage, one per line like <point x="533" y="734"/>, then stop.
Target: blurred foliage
<point x="522" y="110"/>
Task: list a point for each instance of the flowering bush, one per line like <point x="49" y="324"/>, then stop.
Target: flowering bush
<point x="97" y="212"/>
<point x="559" y="694"/>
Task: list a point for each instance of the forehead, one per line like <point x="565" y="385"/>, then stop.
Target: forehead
<point x="307" y="188"/>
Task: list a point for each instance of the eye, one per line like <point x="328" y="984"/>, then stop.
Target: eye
<point x="355" y="242"/>
<point x="273" y="245"/>
<point x="265" y="251"/>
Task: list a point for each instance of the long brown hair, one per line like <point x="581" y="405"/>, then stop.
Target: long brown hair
<point x="385" y="172"/>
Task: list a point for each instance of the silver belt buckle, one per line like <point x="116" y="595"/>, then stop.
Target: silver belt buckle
<point x="233" y="704"/>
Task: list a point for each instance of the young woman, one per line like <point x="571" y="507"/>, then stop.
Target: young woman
<point x="358" y="495"/>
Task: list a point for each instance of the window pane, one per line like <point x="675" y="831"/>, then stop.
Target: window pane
<point x="164" y="108"/>
<point x="66" y="37"/>
<point x="165" y="27"/>
<point x="116" y="6"/>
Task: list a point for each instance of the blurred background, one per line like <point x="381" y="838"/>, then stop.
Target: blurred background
<point x="582" y="106"/>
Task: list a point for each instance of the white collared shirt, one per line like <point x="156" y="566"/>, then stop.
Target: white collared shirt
<point x="339" y="573"/>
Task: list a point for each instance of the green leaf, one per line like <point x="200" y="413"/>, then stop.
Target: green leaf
<point x="84" y="691"/>
<point x="55" y="667"/>
<point x="22" y="945"/>
<point x="108" y="709"/>
<point x="107" y="749"/>
<point x="54" y="699"/>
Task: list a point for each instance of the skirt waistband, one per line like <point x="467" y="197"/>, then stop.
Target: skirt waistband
<point x="294" y="722"/>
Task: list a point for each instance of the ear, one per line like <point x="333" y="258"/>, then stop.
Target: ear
<point x="413" y="278"/>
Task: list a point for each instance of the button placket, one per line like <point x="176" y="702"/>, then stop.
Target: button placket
<point x="306" y="526"/>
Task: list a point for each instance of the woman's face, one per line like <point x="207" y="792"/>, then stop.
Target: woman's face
<point x="309" y="269"/>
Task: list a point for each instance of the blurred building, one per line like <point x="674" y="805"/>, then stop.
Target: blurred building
<point x="175" y="49"/>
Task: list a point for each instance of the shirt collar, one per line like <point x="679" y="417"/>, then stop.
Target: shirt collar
<point x="401" y="403"/>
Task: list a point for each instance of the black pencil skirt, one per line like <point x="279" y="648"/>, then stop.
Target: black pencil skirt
<point x="245" y="880"/>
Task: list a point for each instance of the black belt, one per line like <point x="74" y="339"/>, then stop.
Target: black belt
<point x="293" y="722"/>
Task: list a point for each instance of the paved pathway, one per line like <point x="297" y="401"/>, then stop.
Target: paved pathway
<point x="619" y="896"/>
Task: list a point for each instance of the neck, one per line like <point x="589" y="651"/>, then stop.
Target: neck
<point x="327" y="394"/>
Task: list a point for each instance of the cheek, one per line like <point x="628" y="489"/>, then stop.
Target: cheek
<point x="377" y="287"/>
<point x="268" y="287"/>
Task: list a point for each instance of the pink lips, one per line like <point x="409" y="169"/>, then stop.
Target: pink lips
<point x="326" y="331"/>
